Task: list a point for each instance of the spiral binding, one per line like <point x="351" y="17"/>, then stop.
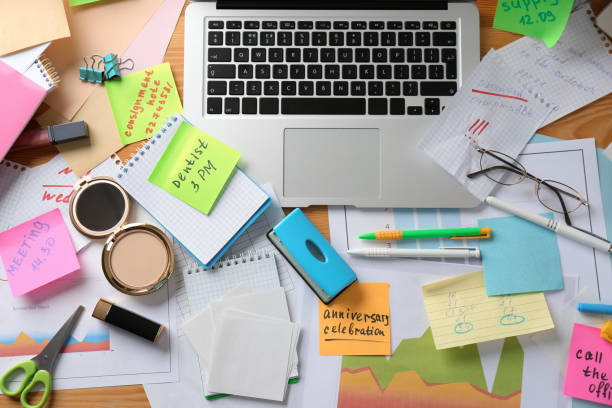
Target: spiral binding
<point x="170" y="120"/>
<point x="604" y="37"/>
<point x="46" y="68"/>
<point x="250" y="256"/>
<point x="13" y="165"/>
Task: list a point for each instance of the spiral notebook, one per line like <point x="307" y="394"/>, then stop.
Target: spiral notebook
<point x="22" y="94"/>
<point x="206" y="237"/>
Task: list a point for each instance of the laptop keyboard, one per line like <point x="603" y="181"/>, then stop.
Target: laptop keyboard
<point x="324" y="67"/>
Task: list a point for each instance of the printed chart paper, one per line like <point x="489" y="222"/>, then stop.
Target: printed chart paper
<point x="357" y="322"/>
<point x="141" y="102"/>
<point x="460" y="312"/>
<point x="195" y="167"/>
<point x="37" y="252"/>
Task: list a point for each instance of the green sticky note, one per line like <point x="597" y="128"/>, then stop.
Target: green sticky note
<point x="543" y="19"/>
<point x="81" y="2"/>
<point x="195" y="167"/>
<point x="142" y="100"/>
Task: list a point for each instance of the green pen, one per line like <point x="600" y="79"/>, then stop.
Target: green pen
<point x="452" y="233"/>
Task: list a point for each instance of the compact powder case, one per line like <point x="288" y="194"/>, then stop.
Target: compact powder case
<point x="137" y="259"/>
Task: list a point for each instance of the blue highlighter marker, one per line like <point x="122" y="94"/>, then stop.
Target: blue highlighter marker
<point x="595" y="308"/>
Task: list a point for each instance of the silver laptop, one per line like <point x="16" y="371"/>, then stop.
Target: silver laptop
<point x="328" y="100"/>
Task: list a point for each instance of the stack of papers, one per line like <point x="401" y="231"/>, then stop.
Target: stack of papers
<point x="247" y="343"/>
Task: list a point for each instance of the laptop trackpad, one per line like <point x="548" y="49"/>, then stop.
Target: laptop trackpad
<point x="331" y="163"/>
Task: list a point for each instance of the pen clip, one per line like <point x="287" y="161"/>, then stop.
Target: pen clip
<point x="486" y="234"/>
<point x="591" y="234"/>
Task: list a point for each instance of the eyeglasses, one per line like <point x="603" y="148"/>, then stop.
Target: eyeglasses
<point x="554" y="195"/>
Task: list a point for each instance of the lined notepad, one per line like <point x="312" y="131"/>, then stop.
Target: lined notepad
<point x="460" y="312"/>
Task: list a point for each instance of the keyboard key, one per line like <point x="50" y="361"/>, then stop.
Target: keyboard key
<point x="375" y="88"/>
<point x="358" y="88"/>
<point x="267" y="38"/>
<point x="233" y="25"/>
<point x="215" y="25"/>
<point x="241" y="55"/>
<point x="219" y="55"/>
<point x="358" y="25"/>
<point x="415" y="110"/>
<point x="383" y="71"/>
<point x="213" y="106"/>
<point x="270" y="87"/>
<point x="432" y="55"/>
<point x="432" y="106"/>
<point x="249" y="106"/>
<point x="423" y="39"/>
<point x="332" y="71"/>
<point x="251" y="25"/>
<point x="310" y="55"/>
<point x="353" y="38"/>
<point x="323" y="25"/>
<point x="215" y="38"/>
<point x="341" y="88"/>
<point x="287" y="25"/>
<point x="319" y="38"/>
<point x="232" y="106"/>
<point x="438" y="88"/>
<point x="377" y="25"/>
<point x="419" y="72"/>
<point x="221" y="71"/>
<point x="268" y="106"/>
<point x="306" y="88"/>
<point x="412" y="25"/>
<point x="410" y="88"/>
<point x="253" y="88"/>
<point x="366" y="72"/>
<point x="302" y="37"/>
<point x="444" y="39"/>
<point x="370" y="38"/>
<point x="345" y="55"/>
<point x="232" y="38"/>
<point x="349" y="71"/>
<point x="275" y="55"/>
<point x="448" y="25"/>
<point x="397" y="106"/>
<point x="305" y="25"/>
<point x="436" y="72"/>
<point x="387" y="39"/>
<point x="293" y="55"/>
<point x="288" y="88"/>
<point x="405" y="38"/>
<point x="297" y="71"/>
<point x="258" y="55"/>
<point x="245" y="71"/>
<point x="379" y="55"/>
<point x="377" y="106"/>
<point x="362" y="55"/>
<point x="449" y="56"/>
<point x="394" y="25"/>
<point x="336" y="38"/>
<point x="314" y="71"/>
<point x="249" y="38"/>
<point x="397" y="55"/>
<point x="284" y="38"/>
<point x="236" y="88"/>
<point x="262" y="71"/>
<point x="393" y="88"/>
<point x="323" y="88"/>
<point x="280" y="71"/>
<point x="341" y="25"/>
<point x="414" y="55"/>
<point x="401" y="71"/>
<point x="430" y="25"/>
<point x="323" y="106"/>
<point x="328" y="55"/>
<point x="269" y="25"/>
<point x="217" y="87"/>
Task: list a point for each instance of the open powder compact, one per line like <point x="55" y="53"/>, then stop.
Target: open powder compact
<point x="137" y="259"/>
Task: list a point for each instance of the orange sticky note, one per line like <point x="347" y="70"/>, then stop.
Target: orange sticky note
<point x="357" y="322"/>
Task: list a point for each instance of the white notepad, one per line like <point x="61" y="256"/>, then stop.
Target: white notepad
<point x="206" y="237"/>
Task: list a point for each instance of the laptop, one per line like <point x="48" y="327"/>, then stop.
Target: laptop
<point x="328" y="99"/>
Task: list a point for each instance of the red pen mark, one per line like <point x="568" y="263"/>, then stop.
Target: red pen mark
<point x="474" y="124"/>
<point x="56" y="185"/>
<point x="500" y="95"/>
<point x="483" y="128"/>
<point x="476" y="129"/>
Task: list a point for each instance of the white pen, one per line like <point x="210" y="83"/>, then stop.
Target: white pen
<point x="572" y="233"/>
<point x="416" y="253"/>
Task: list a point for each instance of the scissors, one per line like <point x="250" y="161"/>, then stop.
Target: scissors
<point x="39" y="369"/>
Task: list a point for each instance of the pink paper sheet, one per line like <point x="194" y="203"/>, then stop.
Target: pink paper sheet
<point x="37" y="252"/>
<point x="589" y="366"/>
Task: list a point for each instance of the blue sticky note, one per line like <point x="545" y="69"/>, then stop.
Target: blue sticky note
<point x="519" y="257"/>
<point x="578" y="403"/>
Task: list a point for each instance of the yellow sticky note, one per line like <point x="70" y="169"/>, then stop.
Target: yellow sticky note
<point x="357" y="322"/>
<point x="460" y="312"/>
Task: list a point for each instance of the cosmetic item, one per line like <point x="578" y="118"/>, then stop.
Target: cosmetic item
<point x="50" y="135"/>
<point x="137" y="258"/>
<point x="108" y="312"/>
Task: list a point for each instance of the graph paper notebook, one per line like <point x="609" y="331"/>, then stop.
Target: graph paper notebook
<point x="206" y="237"/>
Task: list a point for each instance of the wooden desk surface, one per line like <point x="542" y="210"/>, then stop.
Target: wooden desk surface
<point x="594" y="120"/>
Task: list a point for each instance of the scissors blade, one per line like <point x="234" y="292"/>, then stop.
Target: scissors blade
<point x="46" y="359"/>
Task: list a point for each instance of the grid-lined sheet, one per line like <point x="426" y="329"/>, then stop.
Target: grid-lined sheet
<point x="204" y="236"/>
<point x="573" y="73"/>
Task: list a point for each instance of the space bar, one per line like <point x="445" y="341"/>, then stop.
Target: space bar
<point x="323" y="106"/>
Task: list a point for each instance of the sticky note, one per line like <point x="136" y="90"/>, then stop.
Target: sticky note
<point x="589" y="366"/>
<point x="357" y="322"/>
<point x="520" y="257"/>
<point x="142" y="100"/>
<point x="81" y="2"/>
<point x="37" y="252"/>
<point x="542" y="19"/>
<point x="195" y="167"/>
<point x="460" y="312"/>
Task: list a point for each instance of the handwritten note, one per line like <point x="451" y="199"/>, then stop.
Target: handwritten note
<point x="589" y="366"/>
<point x="460" y="312"/>
<point x="195" y="167"/>
<point x="357" y="322"/>
<point x="37" y="252"/>
<point x="142" y="100"/>
<point x="543" y="19"/>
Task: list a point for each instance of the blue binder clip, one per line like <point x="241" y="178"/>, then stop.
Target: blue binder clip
<point x="91" y="74"/>
<point x="113" y="67"/>
<point x="314" y="259"/>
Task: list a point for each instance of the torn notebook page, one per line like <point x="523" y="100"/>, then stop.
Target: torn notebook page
<point x="572" y="74"/>
<point x="492" y="110"/>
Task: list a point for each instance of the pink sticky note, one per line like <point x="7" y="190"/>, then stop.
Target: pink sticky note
<point x="37" y="252"/>
<point x="589" y="366"/>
